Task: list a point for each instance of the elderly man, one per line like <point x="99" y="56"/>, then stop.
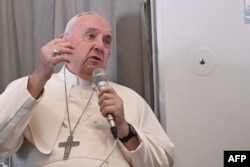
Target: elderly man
<point x="59" y="119"/>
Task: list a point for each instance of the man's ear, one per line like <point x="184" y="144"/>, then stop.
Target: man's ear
<point x="63" y="36"/>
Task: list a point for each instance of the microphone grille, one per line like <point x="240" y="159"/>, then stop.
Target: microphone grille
<point x="99" y="75"/>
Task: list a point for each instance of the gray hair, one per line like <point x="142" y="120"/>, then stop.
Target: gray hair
<point x="72" y="21"/>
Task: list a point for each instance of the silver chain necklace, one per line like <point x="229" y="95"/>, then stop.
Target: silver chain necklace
<point x="70" y="142"/>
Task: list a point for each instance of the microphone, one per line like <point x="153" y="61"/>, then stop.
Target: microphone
<point x="101" y="80"/>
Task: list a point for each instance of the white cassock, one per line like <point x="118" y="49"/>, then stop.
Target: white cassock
<point x="31" y="130"/>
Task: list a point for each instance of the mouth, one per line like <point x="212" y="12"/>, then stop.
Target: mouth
<point x="97" y="58"/>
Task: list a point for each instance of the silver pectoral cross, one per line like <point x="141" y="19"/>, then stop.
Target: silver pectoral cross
<point x="68" y="145"/>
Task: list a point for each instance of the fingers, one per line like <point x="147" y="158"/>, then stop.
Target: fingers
<point x="107" y="97"/>
<point x="106" y="90"/>
<point x="62" y="55"/>
<point x="56" y="51"/>
<point x="108" y="106"/>
<point x="110" y="102"/>
<point x="59" y="47"/>
<point x="48" y="58"/>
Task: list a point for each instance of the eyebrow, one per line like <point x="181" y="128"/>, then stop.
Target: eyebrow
<point x="96" y="30"/>
<point x="92" y="29"/>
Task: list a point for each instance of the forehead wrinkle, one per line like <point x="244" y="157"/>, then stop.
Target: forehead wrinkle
<point x="92" y="29"/>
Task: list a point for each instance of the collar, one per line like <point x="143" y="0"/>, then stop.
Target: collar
<point x="72" y="78"/>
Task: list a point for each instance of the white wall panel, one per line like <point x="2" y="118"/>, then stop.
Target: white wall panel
<point x="206" y="106"/>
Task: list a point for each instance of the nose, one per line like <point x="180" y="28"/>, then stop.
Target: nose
<point x="99" y="44"/>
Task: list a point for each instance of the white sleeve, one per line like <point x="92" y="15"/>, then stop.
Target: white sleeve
<point x="155" y="149"/>
<point x="15" y="113"/>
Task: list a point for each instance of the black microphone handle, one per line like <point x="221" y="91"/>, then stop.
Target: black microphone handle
<point x="113" y="128"/>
